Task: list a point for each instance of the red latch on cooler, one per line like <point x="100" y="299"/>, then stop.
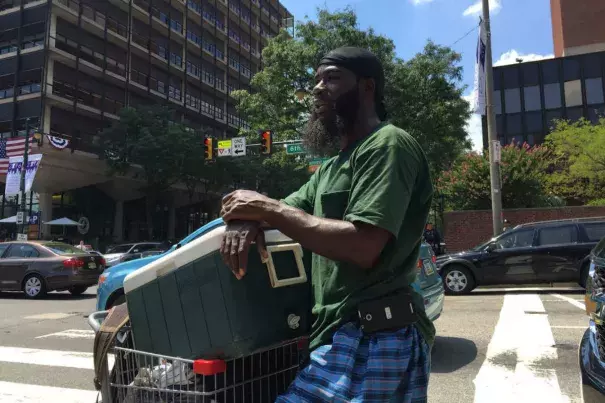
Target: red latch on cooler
<point x="209" y="367"/>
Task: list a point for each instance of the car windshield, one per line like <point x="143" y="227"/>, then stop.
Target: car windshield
<point x="63" y="249"/>
<point x="119" y="249"/>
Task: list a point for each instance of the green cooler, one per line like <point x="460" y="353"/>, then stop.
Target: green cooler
<point x="189" y="304"/>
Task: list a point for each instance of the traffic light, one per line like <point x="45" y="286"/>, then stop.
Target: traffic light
<point x="209" y="148"/>
<point x="266" y="138"/>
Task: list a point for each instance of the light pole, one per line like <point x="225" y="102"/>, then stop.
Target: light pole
<point x="494" y="165"/>
<point x="23" y="207"/>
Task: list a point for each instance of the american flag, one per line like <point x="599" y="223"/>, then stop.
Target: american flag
<point x="12" y="147"/>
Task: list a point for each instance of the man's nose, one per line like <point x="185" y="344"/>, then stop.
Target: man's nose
<point x="319" y="88"/>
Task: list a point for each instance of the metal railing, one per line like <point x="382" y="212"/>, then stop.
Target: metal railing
<point x="86" y="53"/>
<point x="86" y="97"/>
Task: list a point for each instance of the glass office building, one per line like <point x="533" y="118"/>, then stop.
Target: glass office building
<point x="529" y="96"/>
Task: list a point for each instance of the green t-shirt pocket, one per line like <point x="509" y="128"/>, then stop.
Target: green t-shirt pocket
<point x="334" y="204"/>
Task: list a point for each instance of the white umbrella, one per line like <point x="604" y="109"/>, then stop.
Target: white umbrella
<point x="11" y="220"/>
<point x="63" y="221"/>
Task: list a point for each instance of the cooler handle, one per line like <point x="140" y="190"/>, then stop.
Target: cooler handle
<point x="298" y="253"/>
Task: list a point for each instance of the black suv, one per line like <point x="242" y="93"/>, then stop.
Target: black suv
<point x="539" y="252"/>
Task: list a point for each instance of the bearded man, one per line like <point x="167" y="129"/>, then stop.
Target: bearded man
<point x="362" y="214"/>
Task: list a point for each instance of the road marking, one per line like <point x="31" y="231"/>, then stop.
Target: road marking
<point x="25" y="393"/>
<point x="51" y="358"/>
<point x="517" y="359"/>
<point x="572" y="301"/>
<point x="71" y="334"/>
<point x="50" y="316"/>
<point x="569" y="327"/>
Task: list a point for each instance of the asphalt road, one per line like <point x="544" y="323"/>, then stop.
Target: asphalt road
<point x="492" y="346"/>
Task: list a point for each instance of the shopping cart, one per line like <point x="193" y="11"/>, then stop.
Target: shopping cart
<point x="141" y="377"/>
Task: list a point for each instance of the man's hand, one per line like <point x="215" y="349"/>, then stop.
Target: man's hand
<point x="246" y="205"/>
<point x="236" y="244"/>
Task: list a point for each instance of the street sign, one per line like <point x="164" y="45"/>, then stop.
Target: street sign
<point x="238" y="146"/>
<point x="34" y="219"/>
<point x="21" y="237"/>
<point x="316" y="163"/>
<point x="224" y="148"/>
<point x="20" y="217"/>
<point x="497" y="149"/>
<point x="294" y="149"/>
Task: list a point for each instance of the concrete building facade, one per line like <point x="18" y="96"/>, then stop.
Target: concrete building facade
<point x="71" y="65"/>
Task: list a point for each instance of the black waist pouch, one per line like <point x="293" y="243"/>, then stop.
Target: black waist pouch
<point x="394" y="311"/>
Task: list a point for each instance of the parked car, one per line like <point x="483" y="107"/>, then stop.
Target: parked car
<point x="111" y="289"/>
<point x="592" y="346"/>
<point x="39" y="267"/>
<point x="123" y="253"/>
<point x="540" y="252"/>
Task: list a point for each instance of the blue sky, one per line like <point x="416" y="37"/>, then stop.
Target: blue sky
<point x="520" y="28"/>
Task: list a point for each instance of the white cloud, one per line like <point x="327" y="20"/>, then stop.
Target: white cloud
<point x="512" y="55"/>
<point x="473" y="126"/>
<point x="476" y="9"/>
<point x="419" y="2"/>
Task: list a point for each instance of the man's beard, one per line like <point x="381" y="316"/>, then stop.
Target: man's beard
<point x="323" y="134"/>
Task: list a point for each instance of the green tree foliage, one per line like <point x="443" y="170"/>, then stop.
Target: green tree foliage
<point x="147" y="141"/>
<point x="423" y="94"/>
<point x="523" y="170"/>
<point x="578" y="168"/>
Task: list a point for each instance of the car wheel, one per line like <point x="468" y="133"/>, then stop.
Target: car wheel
<point x="78" y="289"/>
<point x="584" y="272"/>
<point x="34" y="286"/>
<point x="458" y="280"/>
<point x="116" y="300"/>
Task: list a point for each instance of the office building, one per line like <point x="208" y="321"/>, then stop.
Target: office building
<point x="577" y="26"/>
<point x="71" y="65"/>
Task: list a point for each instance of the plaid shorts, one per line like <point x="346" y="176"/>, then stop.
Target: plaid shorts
<point x="389" y="366"/>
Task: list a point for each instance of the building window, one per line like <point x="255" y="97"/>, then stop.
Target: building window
<point x="573" y="93"/>
<point x="511" y="77"/>
<point x="575" y="114"/>
<point x="530" y="74"/>
<point x="595" y="112"/>
<point x="550" y="72"/>
<point x="552" y="96"/>
<point x="594" y="91"/>
<point x="533" y="122"/>
<point x="513" y="124"/>
<point x="591" y="63"/>
<point x="497" y="102"/>
<point x="551" y="117"/>
<point x="532" y="98"/>
<point x="571" y="69"/>
<point x="500" y="125"/>
<point x="512" y="100"/>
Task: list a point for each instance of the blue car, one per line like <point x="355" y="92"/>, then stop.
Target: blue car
<point x="592" y="346"/>
<point x="110" y="291"/>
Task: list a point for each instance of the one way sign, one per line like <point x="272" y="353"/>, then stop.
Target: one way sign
<point x="238" y="146"/>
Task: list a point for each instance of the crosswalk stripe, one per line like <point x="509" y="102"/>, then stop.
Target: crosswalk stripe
<point x="26" y="393"/>
<point x="572" y="301"/>
<point x="521" y="340"/>
<point x="71" y="334"/>
<point x="53" y="358"/>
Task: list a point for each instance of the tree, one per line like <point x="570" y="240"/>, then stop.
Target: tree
<point x="579" y="160"/>
<point x="164" y="152"/>
<point x="423" y="95"/>
<point x="523" y="170"/>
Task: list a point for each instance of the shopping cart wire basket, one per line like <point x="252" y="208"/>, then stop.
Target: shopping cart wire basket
<point x="143" y="377"/>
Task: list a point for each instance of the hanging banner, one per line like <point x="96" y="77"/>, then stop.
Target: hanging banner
<point x="479" y="90"/>
<point x="13" y="175"/>
<point x="57" y="142"/>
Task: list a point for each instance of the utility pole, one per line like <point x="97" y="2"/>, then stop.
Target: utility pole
<point x="22" y="182"/>
<point x="494" y="165"/>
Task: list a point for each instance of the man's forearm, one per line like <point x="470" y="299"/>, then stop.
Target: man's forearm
<point x="335" y="239"/>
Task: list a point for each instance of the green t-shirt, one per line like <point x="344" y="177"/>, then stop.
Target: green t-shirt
<point x="382" y="180"/>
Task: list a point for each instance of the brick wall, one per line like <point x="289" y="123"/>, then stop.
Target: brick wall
<point x="577" y="23"/>
<point x="465" y="229"/>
